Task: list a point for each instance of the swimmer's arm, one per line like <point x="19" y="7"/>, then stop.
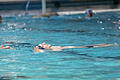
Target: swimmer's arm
<point x="90" y="46"/>
<point x="67" y="47"/>
<point x="46" y="15"/>
<point x="99" y="45"/>
<point x="7" y="47"/>
<point x="58" y="48"/>
<point x="105" y="45"/>
<point x="41" y="15"/>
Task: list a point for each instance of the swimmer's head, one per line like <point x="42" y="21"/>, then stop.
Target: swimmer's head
<point x="89" y="12"/>
<point x="2" y="46"/>
<point x="44" y="45"/>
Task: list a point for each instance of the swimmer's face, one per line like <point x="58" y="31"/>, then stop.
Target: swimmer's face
<point x="46" y="46"/>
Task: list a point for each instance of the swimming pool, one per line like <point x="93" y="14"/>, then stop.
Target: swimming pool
<point x="22" y="32"/>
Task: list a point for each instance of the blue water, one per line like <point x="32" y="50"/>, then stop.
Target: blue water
<point x="24" y="32"/>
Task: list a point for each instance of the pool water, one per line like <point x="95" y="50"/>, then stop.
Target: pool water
<point x="22" y="32"/>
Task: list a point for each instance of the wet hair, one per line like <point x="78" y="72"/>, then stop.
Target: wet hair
<point x="89" y="46"/>
<point x="40" y="47"/>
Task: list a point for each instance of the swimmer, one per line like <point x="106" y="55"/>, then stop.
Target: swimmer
<point x="48" y="14"/>
<point x="117" y="22"/>
<point x="43" y="46"/>
<point x="89" y="13"/>
<point x="6" y="47"/>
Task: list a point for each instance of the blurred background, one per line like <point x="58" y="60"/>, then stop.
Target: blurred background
<point x="59" y="5"/>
